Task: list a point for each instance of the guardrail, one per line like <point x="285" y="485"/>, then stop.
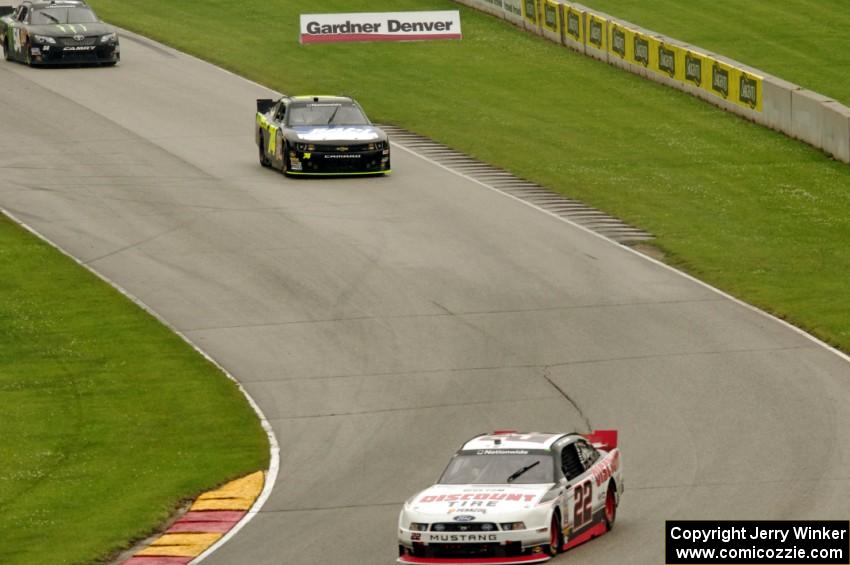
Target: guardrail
<point x="729" y="84"/>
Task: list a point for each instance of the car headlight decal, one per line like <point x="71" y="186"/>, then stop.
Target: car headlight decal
<point x="44" y="39"/>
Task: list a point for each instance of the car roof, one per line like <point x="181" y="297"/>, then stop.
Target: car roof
<point x="511" y="439"/>
<point x="56" y="3"/>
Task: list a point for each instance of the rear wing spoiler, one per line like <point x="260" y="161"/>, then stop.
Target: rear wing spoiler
<point x="264" y="105"/>
<point x="605" y="440"/>
<point x="6" y="10"/>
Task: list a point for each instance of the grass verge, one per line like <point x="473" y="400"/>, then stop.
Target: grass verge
<point x="107" y="418"/>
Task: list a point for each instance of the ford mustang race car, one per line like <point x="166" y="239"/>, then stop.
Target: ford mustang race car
<point x="319" y="135"/>
<point x="57" y="32"/>
<point x="510" y="497"/>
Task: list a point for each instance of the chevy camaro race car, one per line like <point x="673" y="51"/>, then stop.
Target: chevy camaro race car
<point x="510" y="497"/>
<point x="57" y="32"/>
<point x="320" y="135"/>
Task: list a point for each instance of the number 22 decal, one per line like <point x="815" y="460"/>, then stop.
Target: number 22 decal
<point x="583" y="498"/>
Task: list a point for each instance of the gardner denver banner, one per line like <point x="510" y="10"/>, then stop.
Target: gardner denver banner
<point x="386" y="26"/>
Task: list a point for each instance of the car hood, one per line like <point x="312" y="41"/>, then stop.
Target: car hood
<point x="448" y="500"/>
<point x="337" y="133"/>
<point x="56" y="30"/>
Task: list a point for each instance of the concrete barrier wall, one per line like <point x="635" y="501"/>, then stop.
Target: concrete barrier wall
<point x="729" y="84"/>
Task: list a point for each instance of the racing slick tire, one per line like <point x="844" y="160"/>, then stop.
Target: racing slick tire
<point x="28" y="56"/>
<point x="264" y="161"/>
<point x="610" y="507"/>
<point x="285" y="168"/>
<point x="7" y="52"/>
<point x="556" y="536"/>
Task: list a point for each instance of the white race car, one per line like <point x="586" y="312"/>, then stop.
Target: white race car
<point x="511" y="497"/>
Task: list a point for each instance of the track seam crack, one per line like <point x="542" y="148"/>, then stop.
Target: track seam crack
<point x="548" y="377"/>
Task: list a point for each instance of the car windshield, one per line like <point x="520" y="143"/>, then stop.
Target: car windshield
<point x="475" y="468"/>
<point x="322" y="114"/>
<point x="63" y="16"/>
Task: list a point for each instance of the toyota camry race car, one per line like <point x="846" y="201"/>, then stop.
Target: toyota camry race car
<point x="57" y="32"/>
<point x="319" y="135"/>
<point x="511" y="497"/>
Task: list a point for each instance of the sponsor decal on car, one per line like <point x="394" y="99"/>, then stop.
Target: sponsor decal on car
<point x="481" y="496"/>
<point x="462" y="537"/>
<point x="464" y="518"/>
<point x="606" y="468"/>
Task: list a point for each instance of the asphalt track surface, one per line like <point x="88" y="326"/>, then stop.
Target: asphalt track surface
<point x="380" y="322"/>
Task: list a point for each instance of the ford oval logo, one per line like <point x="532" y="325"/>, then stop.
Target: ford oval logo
<point x="464" y="518"/>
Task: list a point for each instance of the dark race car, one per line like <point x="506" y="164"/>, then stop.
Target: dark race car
<point x="60" y="32"/>
<point x="320" y="135"/>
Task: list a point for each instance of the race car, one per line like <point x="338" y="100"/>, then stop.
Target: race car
<point x="510" y="497"/>
<point x="57" y="32"/>
<point x="319" y="135"/>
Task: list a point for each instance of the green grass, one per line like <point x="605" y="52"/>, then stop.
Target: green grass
<point x="803" y="41"/>
<point x="108" y="420"/>
<point x="755" y="213"/>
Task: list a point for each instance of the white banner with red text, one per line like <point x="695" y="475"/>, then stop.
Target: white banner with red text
<point x="380" y="26"/>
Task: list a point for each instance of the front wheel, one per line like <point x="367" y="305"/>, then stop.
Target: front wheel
<point x="7" y="52"/>
<point x="28" y="56"/>
<point x="287" y="166"/>
<point x="610" y="508"/>
<point x="556" y="536"/>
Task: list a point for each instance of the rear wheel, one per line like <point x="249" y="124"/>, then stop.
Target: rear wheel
<point x="264" y="160"/>
<point x="610" y="507"/>
<point x="556" y="536"/>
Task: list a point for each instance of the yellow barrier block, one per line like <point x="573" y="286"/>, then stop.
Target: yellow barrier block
<point x="621" y="42"/>
<point x="180" y="545"/>
<point x="644" y="50"/>
<point x="669" y="60"/>
<point x="235" y="495"/>
<point x="573" y="18"/>
<point x="550" y="18"/>
<point x="697" y="69"/>
<point x="596" y="35"/>
<point x="529" y="11"/>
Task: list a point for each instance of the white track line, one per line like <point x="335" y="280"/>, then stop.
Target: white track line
<point x="274" y="447"/>
<point x="788" y="325"/>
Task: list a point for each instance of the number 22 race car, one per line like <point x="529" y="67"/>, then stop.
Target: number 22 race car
<point x="511" y="497"/>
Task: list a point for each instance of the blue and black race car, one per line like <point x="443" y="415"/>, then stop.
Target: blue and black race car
<point x="320" y="135"/>
<point x="57" y="32"/>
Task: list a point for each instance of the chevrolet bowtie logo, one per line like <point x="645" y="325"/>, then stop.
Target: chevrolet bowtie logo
<point x="342" y="148"/>
<point x="79" y="37"/>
